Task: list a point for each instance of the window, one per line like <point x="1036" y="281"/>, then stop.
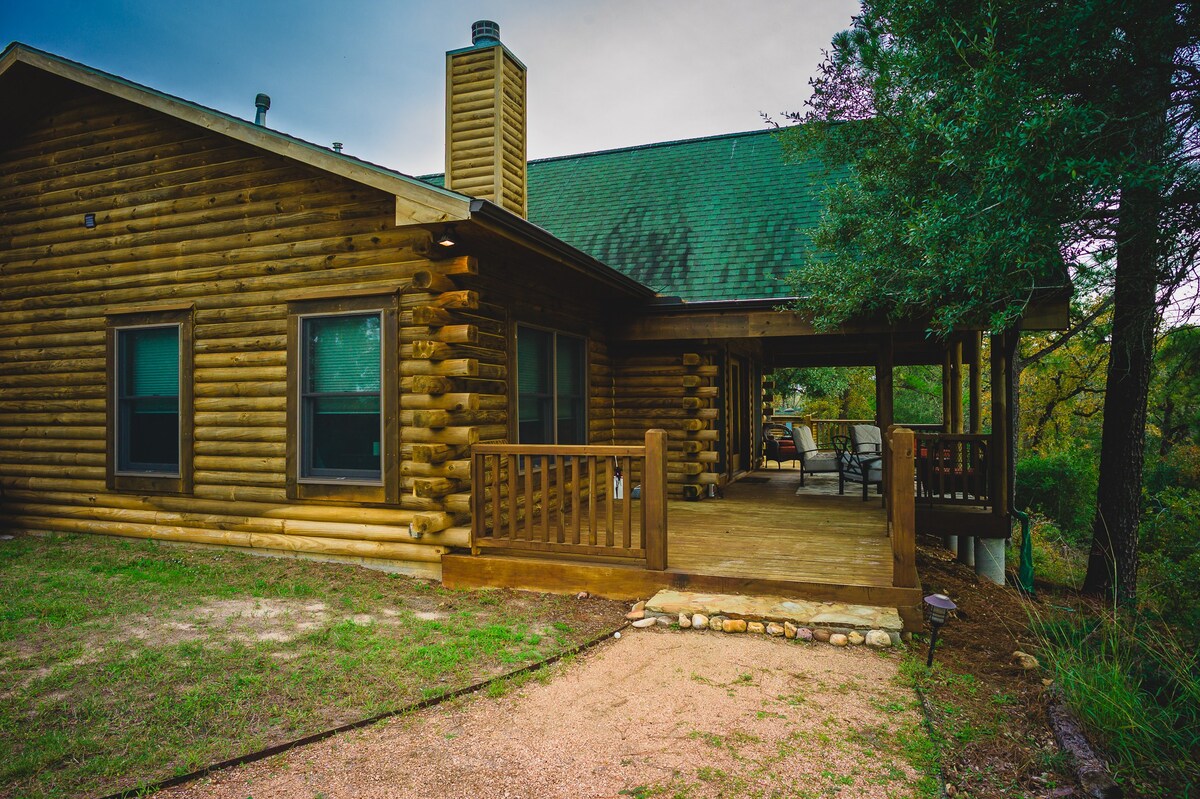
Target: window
<point x="551" y="387"/>
<point x="342" y="400"/>
<point x="150" y="401"/>
<point x="340" y="396"/>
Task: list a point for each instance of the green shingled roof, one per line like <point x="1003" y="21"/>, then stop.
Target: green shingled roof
<point x="718" y="218"/>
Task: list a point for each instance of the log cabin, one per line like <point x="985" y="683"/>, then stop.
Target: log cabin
<point x="532" y="374"/>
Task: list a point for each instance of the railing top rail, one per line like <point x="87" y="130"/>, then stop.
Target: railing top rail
<point x="955" y="436"/>
<point x="601" y="450"/>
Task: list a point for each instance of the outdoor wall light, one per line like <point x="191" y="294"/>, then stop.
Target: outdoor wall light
<point x="89" y="221"/>
<point x="937" y="608"/>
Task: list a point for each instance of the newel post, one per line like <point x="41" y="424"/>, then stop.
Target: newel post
<point x="654" y="500"/>
<point x="902" y="499"/>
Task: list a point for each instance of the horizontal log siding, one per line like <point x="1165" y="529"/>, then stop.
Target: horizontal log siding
<point x="676" y="391"/>
<point x="186" y="216"/>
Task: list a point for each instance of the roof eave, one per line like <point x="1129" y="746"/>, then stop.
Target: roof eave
<point x="491" y="215"/>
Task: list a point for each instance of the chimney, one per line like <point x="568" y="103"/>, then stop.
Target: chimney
<point x="261" y="103"/>
<point x="485" y="120"/>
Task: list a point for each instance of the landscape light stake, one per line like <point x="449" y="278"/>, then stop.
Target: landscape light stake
<point x="937" y="608"/>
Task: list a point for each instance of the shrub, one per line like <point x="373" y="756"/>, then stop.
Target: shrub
<point x="1061" y="486"/>
<point x="1170" y="554"/>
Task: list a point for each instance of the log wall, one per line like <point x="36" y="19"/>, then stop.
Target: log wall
<point x="678" y="392"/>
<point x="186" y="217"/>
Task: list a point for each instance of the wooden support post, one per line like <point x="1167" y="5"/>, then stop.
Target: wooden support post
<point x="884" y="412"/>
<point x="956" y="404"/>
<point x="654" y="500"/>
<point x="975" y="379"/>
<point x="902" y="508"/>
<point x="999" y="438"/>
<point x="947" y="421"/>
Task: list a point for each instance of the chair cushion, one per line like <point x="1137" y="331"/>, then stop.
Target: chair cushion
<point x="803" y="437"/>
<point x="866" y="438"/>
<point x="825" y="462"/>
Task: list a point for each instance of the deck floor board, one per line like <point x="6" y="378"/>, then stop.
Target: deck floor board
<point x="767" y="530"/>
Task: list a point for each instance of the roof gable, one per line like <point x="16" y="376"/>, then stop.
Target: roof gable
<point x="417" y="201"/>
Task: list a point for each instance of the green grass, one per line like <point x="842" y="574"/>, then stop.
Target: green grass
<point x="122" y="662"/>
<point x="1138" y="691"/>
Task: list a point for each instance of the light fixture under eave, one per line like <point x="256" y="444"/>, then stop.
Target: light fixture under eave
<point x="446" y="239"/>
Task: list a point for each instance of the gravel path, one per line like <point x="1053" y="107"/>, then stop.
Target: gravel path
<point x="654" y="713"/>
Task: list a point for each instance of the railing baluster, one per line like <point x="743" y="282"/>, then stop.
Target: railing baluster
<point x="545" y="466"/>
<point x="560" y="499"/>
<point x="627" y="502"/>
<point x="497" y="529"/>
<point x="592" y="498"/>
<point x="530" y="508"/>
<point x="575" y="508"/>
<point x="512" y="497"/>
<point x="609" y="475"/>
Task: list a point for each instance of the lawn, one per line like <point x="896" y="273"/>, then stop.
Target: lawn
<point x="125" y="662"/>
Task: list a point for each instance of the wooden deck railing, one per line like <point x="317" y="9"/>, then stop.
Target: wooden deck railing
<point x="953" y="469"/>
<point x="901" y="506"/>
<point x="560" y="499"/>
<point x="824" y="430"/>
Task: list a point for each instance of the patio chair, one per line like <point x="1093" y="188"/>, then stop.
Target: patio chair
<point x="866" y="438"/>
<point x="812" y="460"/>
<point x="859" y="467"/>
<point x="778" y="445"/>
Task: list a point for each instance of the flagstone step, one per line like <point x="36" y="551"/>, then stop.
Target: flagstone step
<point x="835" y="615"/>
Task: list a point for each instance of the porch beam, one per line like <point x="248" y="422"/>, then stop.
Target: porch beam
<point x="665" y="326"/>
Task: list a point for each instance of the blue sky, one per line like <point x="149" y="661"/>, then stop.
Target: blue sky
<point x="602" y="74"/>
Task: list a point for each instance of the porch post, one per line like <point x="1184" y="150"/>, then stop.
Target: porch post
<point x="975" y="379"/>
<point x="956" y="362"/>
<point x="654" y="500"/>
<point x="998" y="460"/>
<point x="947" y="421"/>
<point x="883" y="402"/>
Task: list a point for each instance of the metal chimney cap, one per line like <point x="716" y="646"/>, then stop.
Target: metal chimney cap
<point x="485" y="32"/>
<point x="262" y="101"/>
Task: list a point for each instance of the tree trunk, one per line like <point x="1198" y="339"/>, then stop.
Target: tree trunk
<point x="1114" y="554"/>
<point x="1152" y="36"/>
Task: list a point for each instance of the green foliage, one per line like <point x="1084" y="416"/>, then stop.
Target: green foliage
<point x="1174" y="412"/>
<point x="1171" y="556"/>
<point x="827" y="392"/>
<point x="1061" y="486"/>
<point x="917" y="394"/>
<point x="1137" y="689"/>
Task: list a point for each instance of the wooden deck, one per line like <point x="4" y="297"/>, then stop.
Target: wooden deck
<point x="762" y="537"/>
<point x="774" y="530"/>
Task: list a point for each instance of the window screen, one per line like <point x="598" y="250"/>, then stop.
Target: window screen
<point x="341" y="396"/>
<point x="148" y="399"/>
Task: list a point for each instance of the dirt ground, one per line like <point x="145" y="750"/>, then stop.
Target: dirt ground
<point x="992" y="710"/>
<point x="682" y="714"/>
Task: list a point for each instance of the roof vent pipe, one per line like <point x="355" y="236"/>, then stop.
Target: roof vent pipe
<point x="485" y="33"/>
<point x="261" y="103"/>
<point x="337" y="146"/>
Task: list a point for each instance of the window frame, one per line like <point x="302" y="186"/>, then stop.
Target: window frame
<point x="141" y="481"/>
<point x="384" y="490"/>
<point x="515" y="389"/>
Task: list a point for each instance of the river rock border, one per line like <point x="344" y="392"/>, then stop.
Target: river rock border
<point x="641" y="618"/>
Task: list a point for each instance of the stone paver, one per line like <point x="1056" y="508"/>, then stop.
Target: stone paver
<point x="777" y="609"/>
